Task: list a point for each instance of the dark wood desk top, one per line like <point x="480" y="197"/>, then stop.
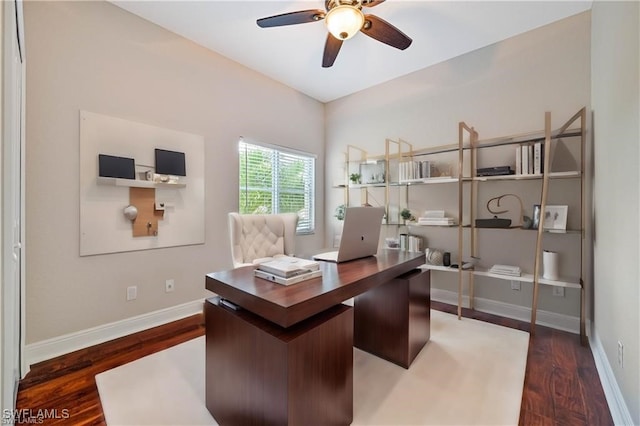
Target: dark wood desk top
<point x="287" y="305"/>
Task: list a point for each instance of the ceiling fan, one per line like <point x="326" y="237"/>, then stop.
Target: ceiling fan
<point x="344" y="18"/>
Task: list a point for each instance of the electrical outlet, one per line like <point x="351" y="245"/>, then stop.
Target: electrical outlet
<point x="558" y="291"/>
<point x="169" y="285"/>
<point x="132" y="292"/>
<point x="620" y="354"/>
<point x="515" y="285"/>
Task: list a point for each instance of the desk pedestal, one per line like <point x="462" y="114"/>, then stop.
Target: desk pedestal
<point x="392" y="320"/>
<point x="260" y="373"/>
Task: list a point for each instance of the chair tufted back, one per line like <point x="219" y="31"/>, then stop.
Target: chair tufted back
<point x="257" y="236"/>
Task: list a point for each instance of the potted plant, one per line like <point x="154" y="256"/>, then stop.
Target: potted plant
<point x="355" y="178"/>
<point x="407" y="215"/>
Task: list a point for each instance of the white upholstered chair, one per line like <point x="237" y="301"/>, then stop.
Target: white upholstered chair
<point x="255" y="237"/>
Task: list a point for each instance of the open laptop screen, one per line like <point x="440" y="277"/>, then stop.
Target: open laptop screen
<point x="360" y="235"/>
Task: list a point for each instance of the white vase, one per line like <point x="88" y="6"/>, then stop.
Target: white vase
<point x="550" y="265"/>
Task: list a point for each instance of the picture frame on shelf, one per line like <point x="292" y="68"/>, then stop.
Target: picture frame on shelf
<point x="536" y="216"/>
<point x="372" y="172"/>
<point x="554" y="218"/>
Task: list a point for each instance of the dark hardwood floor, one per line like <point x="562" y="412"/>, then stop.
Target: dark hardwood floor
<point x="561" y="382"/>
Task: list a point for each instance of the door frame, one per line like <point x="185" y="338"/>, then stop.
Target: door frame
<point x="12" y="178"/>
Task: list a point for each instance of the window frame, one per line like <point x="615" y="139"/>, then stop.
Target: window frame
<point x="309" y="187"/>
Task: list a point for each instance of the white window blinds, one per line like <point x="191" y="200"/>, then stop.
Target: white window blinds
<point x="276" y="180"/>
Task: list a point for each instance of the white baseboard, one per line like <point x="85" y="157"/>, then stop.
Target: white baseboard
<point x="522" y="313"/>
<point x="50" y="348"/>
<point x="618" y="408"/>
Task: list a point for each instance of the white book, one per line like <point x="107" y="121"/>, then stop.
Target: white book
<point x="519" y="160"/>
<point x="537" y="158"/>
<point x="287" y="281"/>
<point x="525" y="160"/>
<point x="425" y="169"/>
<point x="506" y="270"/>
<point x="404" y="171"/>
<point x="441" y="222"/>
<point x="288" y="266"/>
<point x="435" y="214"/>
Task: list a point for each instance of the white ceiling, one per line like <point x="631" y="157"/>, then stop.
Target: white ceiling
<point x="293" y="54"/>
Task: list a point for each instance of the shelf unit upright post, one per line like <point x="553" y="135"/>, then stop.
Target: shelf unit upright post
<point x="388" y="157"/>
<point x="548" y="140"/>
<point x="406" y="183"/>
<point x="350" y="159"/>
<point x="464" y="129"/>
<point x="543" y="205"/>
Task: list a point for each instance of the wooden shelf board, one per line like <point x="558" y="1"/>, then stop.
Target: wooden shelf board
<point x="511" y="228"/>
<point x="367" y="185"/>
<point x="552" y="175"/>
<point x="137" y="183"/>
<point x="434" y="150"/>
<point x="429" y="181"/>
<point x="525" y="138"/>
<point x="525" y="278"/>
<point x="455" y="225"/>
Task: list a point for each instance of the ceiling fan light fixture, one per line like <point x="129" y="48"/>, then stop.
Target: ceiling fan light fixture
<point x="344" y="21"/>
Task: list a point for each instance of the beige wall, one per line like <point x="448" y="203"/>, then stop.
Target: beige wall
<point x="616" y="111"/>
<point x="501" y="89"/>
<point x="97" y="57"/>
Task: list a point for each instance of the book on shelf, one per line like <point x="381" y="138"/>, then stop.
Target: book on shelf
<point x="287" y="281"/>
<point x="525" y="160"/>
<point x="288" y="266"/>
<point x="443" y="221"/>
<point x="494" y="171"/>
<point x="433" y="214"/>
<point x="413" y="170"/>
<point x="538" y="158"/>
<point x="531" y="158"/>
<point x="530" y="148"/>
<point x="513" y="271"/>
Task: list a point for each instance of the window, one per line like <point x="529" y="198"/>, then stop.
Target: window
<point x="277" y="180"/>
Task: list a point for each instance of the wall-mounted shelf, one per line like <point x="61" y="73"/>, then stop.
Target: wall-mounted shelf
<point x="137" y="183"/>
<point x="428" y="181"/>
<point x="455" y="225"/>
<point x="525" y="278"/>
<point x="365" y="185"/>
<point x="537" y="136"/>
<point x="551" y="175"/>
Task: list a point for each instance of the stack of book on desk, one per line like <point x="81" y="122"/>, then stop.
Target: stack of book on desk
<point x="288" y="270"/>
<point x="512" y="271"/>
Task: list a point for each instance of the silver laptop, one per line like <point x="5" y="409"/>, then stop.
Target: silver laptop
<point x="360" y="235"/>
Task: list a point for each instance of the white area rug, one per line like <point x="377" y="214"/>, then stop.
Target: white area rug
<point x="470" y="373"/>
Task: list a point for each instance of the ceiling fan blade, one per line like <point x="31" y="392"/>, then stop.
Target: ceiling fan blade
<point x="383" y="31"/>
<point x="331" y="49"/>
<point x="371" y="3"/>
<point x="291" y="18"/>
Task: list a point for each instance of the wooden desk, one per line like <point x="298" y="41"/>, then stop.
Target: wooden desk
<point x="286" y="357"/>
